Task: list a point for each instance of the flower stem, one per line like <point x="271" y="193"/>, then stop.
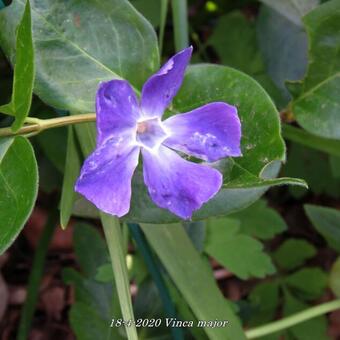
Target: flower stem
<point x="163" y="14"/>
<point x="180" y="18"/>
<point x="292" y="320"/>
<point x="35" y="125"/>
<point x="114" y="239"/>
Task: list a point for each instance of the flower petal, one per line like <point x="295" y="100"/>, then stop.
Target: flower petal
<point x="105" y="178"/>
<point x="176" y="184"/>
<point x="159" y="89"/>
<point x="210" y="132"/>
<point x="117" y="109"/>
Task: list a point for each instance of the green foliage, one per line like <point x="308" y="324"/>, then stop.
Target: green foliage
<point x="91" y="314"/>
<point x="291" y="289"/>
<point x="309" y="164"/>
<point x="191" y="275"/>
<point x="315" y="329"/>
<point x="18" y="187"/>
<point x="234" y="40"/>
<point x="23" y="72"/>
<point x="79" y="44"/>
<point x="260" y="221"/>
<point x="239" y="253"/>
<point x="327" y="222"/>
<point x="293" y="10"/>
<point x="72" y="169"/>
<point x="264" y="299"/>
<point x="283" y="45"/>
<point x="308" y="283"/>
<point x="317" y="100"/>
<point x="293" y="253"/>
<point x="334" y="278"/>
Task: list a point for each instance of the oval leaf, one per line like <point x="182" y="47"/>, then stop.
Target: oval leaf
<point x="80" y="43"/>
<point x="18" y="187"/>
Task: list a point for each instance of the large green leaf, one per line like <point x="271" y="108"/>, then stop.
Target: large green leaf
<point x="23" y="72"/>
<point x="327" y="222"/>
<point x="242" y="54"/>
<point x="193" y="278"/>
<point x="316" y="106"/>
<point x="80" y="43"/>
<point x="18" y="187"/>
<point x="293" y="10"/>
<point x="283" y="45"/>
<point x="239" y="253"/>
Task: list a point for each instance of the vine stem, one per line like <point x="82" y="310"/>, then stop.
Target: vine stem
<point x="35" y="125"/>
<point x="114" y="240"/>
<point x="292" y="320"/>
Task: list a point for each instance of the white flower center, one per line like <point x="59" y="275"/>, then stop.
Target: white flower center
<point x="151" y="133"/>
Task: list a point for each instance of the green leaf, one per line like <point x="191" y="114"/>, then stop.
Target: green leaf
<point x="293" y="10"/>
<point x="90" y="316"/>
<point x="264" y="299"/>
<point x="89" y="261"/>
<point x="315" y="329"/>
<point x="242" y="54"/>
<point x="239" y="253"/>
<point x="305" y="138"/>
<point x="317" y="98"/>
<point x="71" y="173"/>
<point x="23" y="72"/>
<point x="309" y="164"/>
<point x="117" y="251"/>
<point x="150" y="9"/>
<point x="334" y="278"/>
<point x="260" y="221"/>
<point x="327" y="222"/>
<point x="18" y="187"/>
<point x="193" y="278"/>
<point x="80" y="43"/>
<point x="308" y="283"/>
<point x="335" y="165"/>
<point x="293" y="253"/>
<point x="283" y="45"/>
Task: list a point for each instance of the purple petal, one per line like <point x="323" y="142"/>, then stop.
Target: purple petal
<point x="117" y="110"/>
<point x="176" y="184"/>
<point x="210" y="132"/>
<point x="105" y="178"/>
<point x="159" y="89"/>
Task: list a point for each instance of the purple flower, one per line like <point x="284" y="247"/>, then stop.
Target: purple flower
<point x="126" y="126"/>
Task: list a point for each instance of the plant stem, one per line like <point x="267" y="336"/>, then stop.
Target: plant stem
<point x="180" y="19"/>
<point x="292" y="320"/>
<point x="157" y="277"/>
<point x="114" y="239"/>
<point x="35" y="276"/>
<point x="297" y="135"/>
<point x="164" y="11"/>
<point x="36" y="125"/>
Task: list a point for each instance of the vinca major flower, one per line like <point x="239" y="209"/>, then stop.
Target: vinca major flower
<point x="127" y="127"/>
